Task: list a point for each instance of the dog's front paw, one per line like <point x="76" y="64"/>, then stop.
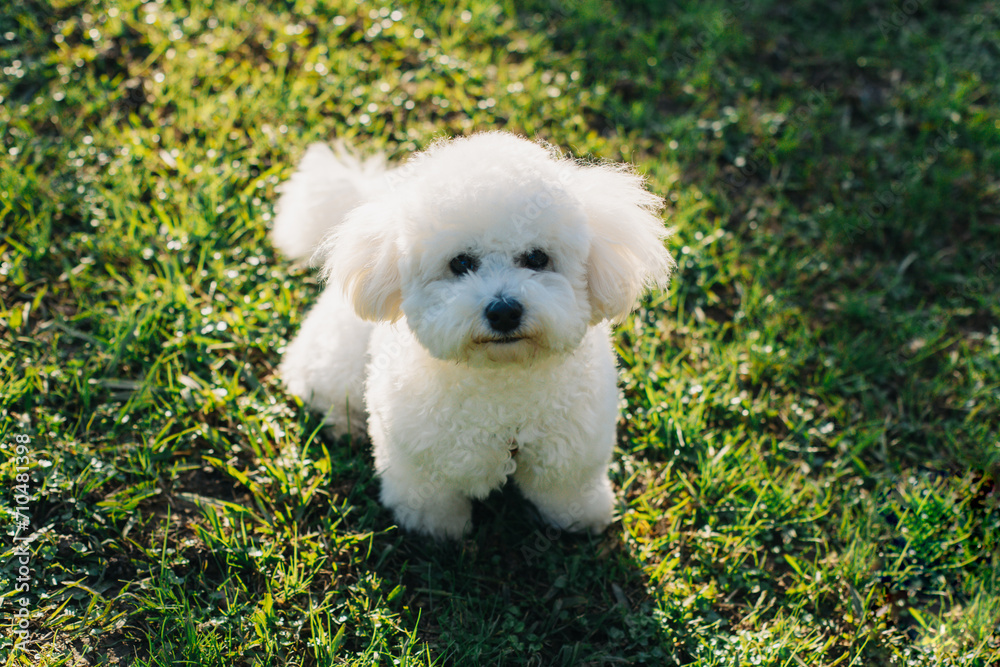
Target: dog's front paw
<point x="587" y="508"/>
<point x="452" y="520"/>
<point x="432" y="511"/>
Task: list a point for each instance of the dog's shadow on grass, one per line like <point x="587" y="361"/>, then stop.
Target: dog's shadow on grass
<point x="520" y="588"/>
<point x="515" y="586"/>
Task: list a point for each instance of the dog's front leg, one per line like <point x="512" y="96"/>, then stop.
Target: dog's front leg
<point x="571" y="502"/>
<point x="425" y="502"/>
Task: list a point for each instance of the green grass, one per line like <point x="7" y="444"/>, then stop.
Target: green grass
<point x="810" y="441"/>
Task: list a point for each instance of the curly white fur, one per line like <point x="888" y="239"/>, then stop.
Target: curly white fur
<point x="441" y="332"/>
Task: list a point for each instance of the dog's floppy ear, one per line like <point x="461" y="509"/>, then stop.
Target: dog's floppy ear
<point x="362" y="257"/>
<point x="627" y="255"/>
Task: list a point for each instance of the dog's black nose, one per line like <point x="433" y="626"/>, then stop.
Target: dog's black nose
<point x="504" y="314"/>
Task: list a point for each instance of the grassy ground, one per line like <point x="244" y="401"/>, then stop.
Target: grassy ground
<point x="809" y="445"/>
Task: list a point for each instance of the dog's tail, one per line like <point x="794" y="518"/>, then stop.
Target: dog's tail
<point x="327" y="185"/>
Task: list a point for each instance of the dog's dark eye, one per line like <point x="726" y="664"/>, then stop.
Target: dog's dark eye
<point x="536" y="259"/>
<point x="463" y="263"/>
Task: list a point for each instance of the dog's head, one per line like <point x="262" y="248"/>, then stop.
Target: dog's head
<point x="499" y="250"/>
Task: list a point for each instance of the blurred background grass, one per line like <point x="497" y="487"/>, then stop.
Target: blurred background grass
<point x="809" y="444"/>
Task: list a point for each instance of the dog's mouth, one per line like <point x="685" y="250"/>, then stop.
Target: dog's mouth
<point x="514" y="348"/>
<point x="500" y="340"/>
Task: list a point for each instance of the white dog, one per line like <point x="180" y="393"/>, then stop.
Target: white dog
<point x="466" y="319"/>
